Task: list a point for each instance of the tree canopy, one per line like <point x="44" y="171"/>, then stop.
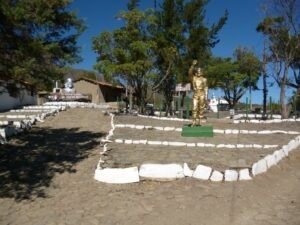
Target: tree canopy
<point x="234" y="76"/>
<point x="37" y="38"/>
<point x="128" y="52"/>
<point x="157" y="47"/>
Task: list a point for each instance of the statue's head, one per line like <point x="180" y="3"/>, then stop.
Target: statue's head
<point x="198" y="72"/>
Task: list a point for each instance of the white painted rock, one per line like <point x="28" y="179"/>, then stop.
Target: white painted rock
<point x="217" y="131"/>
<point x="277" y="156"/>
<point x="257" y="146"/>
<point x="130" y="125"/>
<point x="128" y="141"/>
<point x="165" y="143"/>
<point x="252" y="132"/>
<point x="216" y="176"/>
<point x="191" y="145"/>
<point x="158" y="128"/>
<point x="177" y="143"/>
<point x="117" y="176"/>
<point x="178" y="129"/>
<point x="230" y="146"/>
<point x="228" y="131"/>
<point x="143" y="142"/>
<point x="135" y="142"/>
<point x="169" y="128"/>
<point x="139" y="127"/>
<point x="154" y="142"/>
<point x="244" y="131"/>
<point x="119" y="141"/>
<point x="161" y="171"/>
<point x="209" y="145"/>
<point x="285" y="150"/>
<point x="202" y="172"/>
<point x="231" y="175"/>
<point x="271" y="161"/>
<point x="187" y="171"/>
<point x="200" y="144"/>
<point x="248" y="145"/>
<point x="244" y="174"/>
<point x="259" y="167"/>
<point x="264" y="132"/>
<point x="120" y="125"/>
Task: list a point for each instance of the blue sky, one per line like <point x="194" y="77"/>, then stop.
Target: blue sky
<point x="244" y="15"/>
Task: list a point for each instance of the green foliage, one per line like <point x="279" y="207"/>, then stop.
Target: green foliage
<point x="199" y="38"/>
<point x="37" y="38"/>
<point x="127" y="53"/>
<point x="234" y="77"/>
<point x="249" y="65"/>
<point x="157" y="47"/>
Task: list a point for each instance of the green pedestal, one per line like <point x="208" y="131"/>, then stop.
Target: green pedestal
<point x="198" y="131"/>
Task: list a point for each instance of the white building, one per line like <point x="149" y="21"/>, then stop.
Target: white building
<point x="26" y="97"/>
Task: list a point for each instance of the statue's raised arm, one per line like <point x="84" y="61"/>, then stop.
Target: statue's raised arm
<point x="191" y="71"/>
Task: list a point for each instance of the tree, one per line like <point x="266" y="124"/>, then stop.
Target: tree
<point x="234" y="77"/>
<point x="37" y="39"/>
<point x="199" y="37"/>
<point x="249" y="65"/>
<point x="169" y="37"/>
<point x="280" y="26"/>
<point x="265" y="76"/>
<point x="127" y="53"/>
<point x="182" y="36"/>
<point x="222" y="73"/>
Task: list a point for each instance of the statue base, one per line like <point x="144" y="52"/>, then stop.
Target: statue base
<point x="197" y="131"/>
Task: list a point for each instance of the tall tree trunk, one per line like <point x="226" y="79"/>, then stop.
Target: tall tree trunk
<point x="284" y="111"/>
<point x="265" y="87"/>
<point x="250" y="98"/>
<point x="265" y="93"/>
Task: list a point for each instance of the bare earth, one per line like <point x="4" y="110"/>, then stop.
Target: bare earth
<point x="46" y="177"/>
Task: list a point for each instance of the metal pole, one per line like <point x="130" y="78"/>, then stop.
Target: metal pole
<point x="271" y="108"/>
<point x="295" y="106"/>
<point x="247" y="107"/>
<point x="218" y="108"/>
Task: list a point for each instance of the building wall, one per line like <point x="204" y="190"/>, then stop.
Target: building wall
<point x="25" y="98"/>
<point x="111" y="94"/>
<point x="86" y="87"/>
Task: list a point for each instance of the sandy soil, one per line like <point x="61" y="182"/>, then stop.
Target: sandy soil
<point x="46" y="177"/>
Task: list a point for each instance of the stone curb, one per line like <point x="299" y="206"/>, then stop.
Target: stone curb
<point x="176" y="171"/>
<point x="216" y="131"/>
<point x="196" y="145"/>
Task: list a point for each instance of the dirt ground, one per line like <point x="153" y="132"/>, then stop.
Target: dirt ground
<point x="46" y="177"/>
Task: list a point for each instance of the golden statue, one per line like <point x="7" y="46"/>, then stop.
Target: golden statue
<point x="199" y="86"/>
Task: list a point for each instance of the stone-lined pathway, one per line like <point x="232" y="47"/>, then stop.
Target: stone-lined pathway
<point x="72" y="197"/>
<point x="158" y="161"/>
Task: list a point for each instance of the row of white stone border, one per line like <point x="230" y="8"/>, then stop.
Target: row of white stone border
<point x="277" y="119"/>
<point x="198" y="144"/>
<point x="175" y="171"/>
<point x="14" y="124"/>
<point x="78" y="105"/>
<point x="236" y="119"/>
<point x="216" y="131"/>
